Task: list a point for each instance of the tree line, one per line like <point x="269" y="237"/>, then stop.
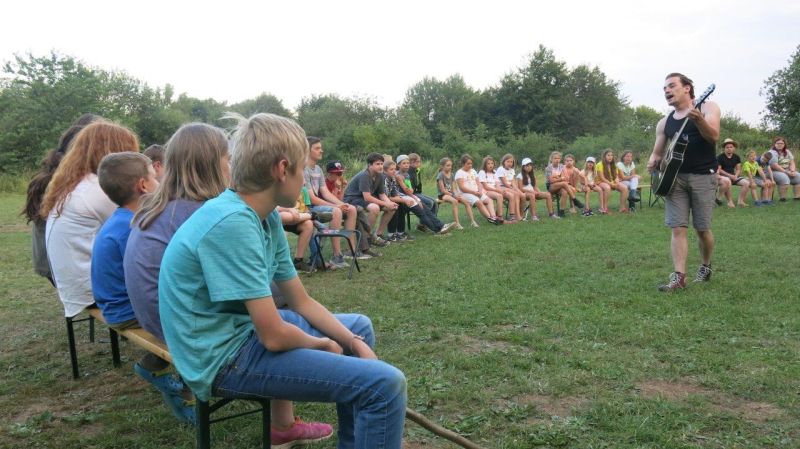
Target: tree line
<point x="542" y="106"/>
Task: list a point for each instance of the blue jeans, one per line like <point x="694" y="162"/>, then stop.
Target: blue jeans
<point x="370" y="395"/>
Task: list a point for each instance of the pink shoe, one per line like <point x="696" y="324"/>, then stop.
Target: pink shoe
<point x="300" y="433"/>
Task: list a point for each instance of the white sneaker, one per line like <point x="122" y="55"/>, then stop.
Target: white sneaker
<point x="446" y="228"/>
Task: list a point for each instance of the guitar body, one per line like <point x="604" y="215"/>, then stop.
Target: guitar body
<point x="667" y="171"/>
<point x="664" y="177"/>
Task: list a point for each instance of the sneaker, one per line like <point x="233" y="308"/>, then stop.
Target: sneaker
<point x="577" y="203"/>
<point x="677" y="281"/>
<point x="371" y="254"/>
<point x="322" y="217"/>
<point x="360" y="255"/>
<point x="758" y="203"/>
<point x="446" y="228"/>
<point x="555" y="216"/>
<point x="378" y="241"/>
<point x="475" y="225"/>
<point x="422" y="228"/>
<point x="337" y="261"/>
<point x="534" y="218"/>
<point x="299" y="434"/>
<point x="407" y="237"/>
<point x="303" y="266"/>
<point x="459" y="227"/>
<point x="703" y="274"/>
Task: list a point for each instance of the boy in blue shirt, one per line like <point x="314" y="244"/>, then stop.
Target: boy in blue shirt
<point x="125" y="177"/>
<point x="220" y="322"/>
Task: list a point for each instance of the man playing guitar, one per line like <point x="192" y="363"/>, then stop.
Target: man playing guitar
<point x="696" y="183"/>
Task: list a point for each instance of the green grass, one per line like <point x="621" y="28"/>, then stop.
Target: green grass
<point x="544" y="335"/>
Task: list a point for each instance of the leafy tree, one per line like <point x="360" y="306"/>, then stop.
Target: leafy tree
<point x="450" y="102"/>
<point x="262" y="103"/>
<point x="547" y="97"/>
<point x="783" y="98"/>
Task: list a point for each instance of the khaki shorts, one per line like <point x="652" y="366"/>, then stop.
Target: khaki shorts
<point x="693" y="193"/>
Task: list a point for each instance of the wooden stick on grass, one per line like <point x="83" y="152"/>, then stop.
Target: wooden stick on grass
<point x="439" y="430"/>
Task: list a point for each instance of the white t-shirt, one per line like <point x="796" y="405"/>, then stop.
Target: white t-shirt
<point x="470" y="178"/>
<point x="489" y="178"/>
<point x="527" y="187"/>
<point x="508" y="174"/>
<point x="69" y="238"/>
<point x="626" y="170"/>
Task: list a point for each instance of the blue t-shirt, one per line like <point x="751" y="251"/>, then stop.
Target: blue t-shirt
<point x="108" y="275"/>
<point x="220" y="257"/>
<point x="143" y="261"/>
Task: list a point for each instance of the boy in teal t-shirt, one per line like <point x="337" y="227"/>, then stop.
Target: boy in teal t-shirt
<point x="220" y="322"/>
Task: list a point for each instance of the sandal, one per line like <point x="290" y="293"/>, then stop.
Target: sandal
<point x="171" y="390"/>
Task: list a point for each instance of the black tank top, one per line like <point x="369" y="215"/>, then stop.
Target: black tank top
<point x="700" y="157"/>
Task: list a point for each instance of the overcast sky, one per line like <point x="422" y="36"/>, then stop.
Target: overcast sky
<point x="234" y="50"/>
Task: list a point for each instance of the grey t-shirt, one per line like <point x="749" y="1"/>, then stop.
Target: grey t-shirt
<point x="313" y="179"/>
<point x="363" y="182"/>
<point x="142" y="261"/>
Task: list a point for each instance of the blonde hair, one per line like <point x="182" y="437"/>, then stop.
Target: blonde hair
<point x="192" y="170"/>
<point x="89" y="147"/>
<point x="506" y="157"/>
<point x="260" y="142"/>
<point x="553" y="154"/>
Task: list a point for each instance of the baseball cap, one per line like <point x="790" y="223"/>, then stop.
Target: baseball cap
<point x="526" y="161"/>
<point x="590" y="159"/>
<point x="334" y="167"/>
<point x="401" y="158"/>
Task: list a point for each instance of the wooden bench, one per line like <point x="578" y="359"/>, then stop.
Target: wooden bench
<point x="149" y="342"/>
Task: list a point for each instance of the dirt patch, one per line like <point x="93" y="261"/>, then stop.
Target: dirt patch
<point x="550" y="405"/>
<point x="756" y="412"/>
<point x="472" y="345"/>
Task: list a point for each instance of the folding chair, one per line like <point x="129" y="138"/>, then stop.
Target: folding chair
<point x="333" y="233"/>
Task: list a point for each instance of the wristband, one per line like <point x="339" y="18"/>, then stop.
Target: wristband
<point x="355" y="337"/>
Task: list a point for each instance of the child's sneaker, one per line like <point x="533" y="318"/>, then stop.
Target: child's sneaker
<point x="337" y="261"/>
<point x="371" y="254"/>
<point x="299" y="434"/>
<point x="376" y="240"/>
<point x="703" y="274"/>
<point x="422" y="228"/>
<point x="534" y="218"/>
<point x="475" y="224"/>
<point x="407" y="237"/>
<point x="677" y="281"/>
<point x="446" y="228"/>
<point x="459" y="227"/>
<point x="555" y="216"/>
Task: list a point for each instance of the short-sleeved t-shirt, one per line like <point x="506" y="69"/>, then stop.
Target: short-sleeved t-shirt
<point x="589" y="175"/>
<point x="531" y="180"/>
<point x="447" y="181"/>
<point x="626" y="170"/>
<point x="765" y="166"/>
<point x="222" y="256"/>
<point x="782" y="160"/>
<point x="750" y="168"/>
<point x="729" y="163"/>
<point x="69" y="239"/>
<point x="363" y="182"/>
<point x="504" y="173"/>
<point x="599" y="169"/>
<point x="551" y="171"/>
<point x="142" y="261"/>
<point x="313" y="179"/>
<point x="490" y="179"/>
<point x="470" y="178"/>
<point x="108" y="274"/>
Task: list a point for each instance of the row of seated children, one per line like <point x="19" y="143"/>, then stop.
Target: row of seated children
<point x="105" y="239"/>
<point x="492" y="187"/>
<point x="755" y="172"/>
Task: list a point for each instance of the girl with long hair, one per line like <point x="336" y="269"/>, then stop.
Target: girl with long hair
<point x="556" y="181"/>
<point x="505" y="182"/>
<point x="526" y="182"/>
<point x="490" y="183"/>
<point x="75" y="207"/>
<point x="608" y="178"/>
<point x="448" y="191"/>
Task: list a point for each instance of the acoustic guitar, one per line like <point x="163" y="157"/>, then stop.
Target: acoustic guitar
<point x="667" y="169"/>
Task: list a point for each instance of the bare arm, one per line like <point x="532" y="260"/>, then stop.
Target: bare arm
<point x="707" y="120"/>
<point x="298" y="299"/>
<point x="278" y="335"/>
<point x="659" y="147"/>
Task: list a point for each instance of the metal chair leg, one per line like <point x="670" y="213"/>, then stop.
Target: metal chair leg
<point x="112" y="334"/>
<point x="203" y="425"/>
<point x="73" y="353"/>
<point x="266" y="424"/>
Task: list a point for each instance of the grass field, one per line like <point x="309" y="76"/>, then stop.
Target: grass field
<point x="544" y="335"/>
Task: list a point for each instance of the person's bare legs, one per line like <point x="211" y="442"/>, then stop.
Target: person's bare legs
<point x="679" y="248"/>
<point x="336" y="223"/>
<point x="305" y="232"/>
<point x="372" y="213"/>
<point x="744" y="186"/>
<point x="725" y="189"/>
<point x="351" y="214"/>
<point x="385" y="218"/>
<point x="468" y="208"/>
<point x="705" y="240"/>
<point x="623" y="196"/>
